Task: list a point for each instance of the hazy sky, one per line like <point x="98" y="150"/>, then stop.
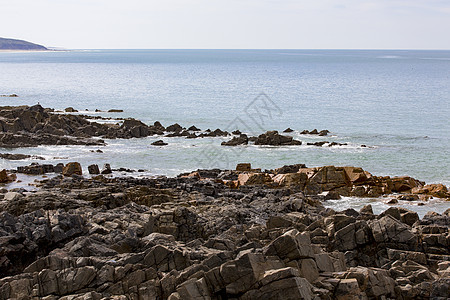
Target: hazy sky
<point x="301" y="24"/>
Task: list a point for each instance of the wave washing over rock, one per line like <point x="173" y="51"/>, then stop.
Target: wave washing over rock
<point x="220" y="234"/>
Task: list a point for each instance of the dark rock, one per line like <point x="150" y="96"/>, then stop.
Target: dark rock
<point x="70" y="109"/>
<point x="235" y="141"/>
<point x="106" y="169"/>
<point x="93" y="169"/>
<point x="19" y="156"/>
<point x="288" y="130"/>
<point x="159" y="143"/>
<point x="273" y="138"/>
<point x="193" y="128"/>
<point x="174" y="128"/>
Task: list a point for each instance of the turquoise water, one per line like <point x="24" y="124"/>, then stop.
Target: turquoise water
<point x="395" y="102"/>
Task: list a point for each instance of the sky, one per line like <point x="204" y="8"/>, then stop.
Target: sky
<point x="230" y="24"/>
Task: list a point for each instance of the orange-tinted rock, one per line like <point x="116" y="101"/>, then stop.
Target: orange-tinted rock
<point x="254" y="178"/>
<point x="435" y="190"/>
<point x="291" y="179"/>
<point x="356" y="175"/>
<point x="72" y="168"/>
<point x="405" y="183"/>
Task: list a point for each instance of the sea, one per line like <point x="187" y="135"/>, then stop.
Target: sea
<point x="394" y="102"/>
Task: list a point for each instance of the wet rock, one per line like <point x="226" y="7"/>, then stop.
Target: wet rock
<point x="115" y="110"/>
<point x="159" y="143"/>
<point x="287" y="130"/>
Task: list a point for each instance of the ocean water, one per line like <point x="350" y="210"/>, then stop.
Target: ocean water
<point x="395" y="102"/>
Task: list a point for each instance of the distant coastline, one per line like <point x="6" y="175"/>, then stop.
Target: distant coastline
<point x="9" y="45"/>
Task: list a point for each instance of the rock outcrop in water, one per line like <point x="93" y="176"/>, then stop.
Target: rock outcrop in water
<point x="193" y="237"/>
<point x="26" y="126"/>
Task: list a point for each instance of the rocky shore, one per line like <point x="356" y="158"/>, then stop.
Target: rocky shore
<point x="221" y="234"/>
<point x="30" y="126"/>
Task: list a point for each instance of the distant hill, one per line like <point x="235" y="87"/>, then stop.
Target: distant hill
<point x="11" y="44"/>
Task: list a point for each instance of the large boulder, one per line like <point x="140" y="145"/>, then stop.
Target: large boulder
<point x="72" y="168"/>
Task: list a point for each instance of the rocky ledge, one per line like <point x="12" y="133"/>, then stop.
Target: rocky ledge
<point x="29" y="126"/>
<point x="195" y="237"/>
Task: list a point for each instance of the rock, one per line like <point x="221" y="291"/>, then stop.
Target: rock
<point x="292" y="245"/>
<point x="323" y="132"/>
<point x="289" y="169"/>
<point x="273" y="138"/>
<point x="366" y="209"/>
<point x="93" y="169"/>
<point x="159" y="143"/>
<point x="6" y="178"/>
<point x="291" y="180"/>
<point x="174" y="128"/>
<point x="12" y="196"/>
<point x="235" y="141"/>
<point x="19" y="156"/>
<point x="243" y="167"/>
<point x="254" y="179"/>
<point x="435" y="190"/>
<point x="193" y="128"/>
<point x="70" y="109"/>
<point x="106" y="169"/>
<point x="391" y="231"/>
<point x="288" y="130"/>
<point x="348" y="289"/>
<point x="72" y="168"/>
<point x="115" y="110"/>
